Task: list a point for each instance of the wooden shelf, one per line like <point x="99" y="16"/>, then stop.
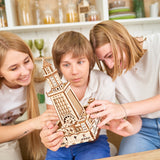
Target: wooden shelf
<point x="36" y="28"/>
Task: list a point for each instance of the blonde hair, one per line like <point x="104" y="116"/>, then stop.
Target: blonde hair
<point x="117" y="35"/>
<point x="73" y="42"/>
<point x="10" y="41"/>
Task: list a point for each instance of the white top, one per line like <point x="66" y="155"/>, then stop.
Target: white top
<point x="143" y="80"/>
<point x="99" y="87"/>
<point x="12" y="103"/>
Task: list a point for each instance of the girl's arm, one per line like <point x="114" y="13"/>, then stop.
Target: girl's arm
<point x="149" y="105"/>
<point x="117" y="111"/>
<point x="8" y="133"/>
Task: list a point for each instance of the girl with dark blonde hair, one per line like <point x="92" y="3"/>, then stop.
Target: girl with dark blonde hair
<point x="134" y="65"/>
<point x="17" y="94"/>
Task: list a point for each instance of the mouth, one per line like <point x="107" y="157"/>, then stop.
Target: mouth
<point x="24" y="79"/>
<point x="76" y="80"/>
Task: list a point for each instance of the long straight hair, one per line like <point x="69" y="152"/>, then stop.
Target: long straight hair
<point x="10" y="41"/>
<point x="121" y="41"/>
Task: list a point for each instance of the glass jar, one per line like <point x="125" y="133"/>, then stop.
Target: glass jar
<point x="71" y="13"/>
<point x="60" y="12"/>
<point x="48" y="17"/>
<point x="25" y="12"/>
<point x="37" y="12"/>
<point x="93" y="14"/>
<point x="3" y="19"/>
<point x="83" y="9"/>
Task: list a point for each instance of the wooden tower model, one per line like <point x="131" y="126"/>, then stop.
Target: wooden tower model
<point x="73" y="120"/>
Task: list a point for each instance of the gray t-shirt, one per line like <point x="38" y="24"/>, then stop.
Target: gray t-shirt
<point x="13" y="103"/>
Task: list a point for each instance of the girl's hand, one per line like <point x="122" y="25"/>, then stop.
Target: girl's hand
<point x="40" y="121"/>
<point x="105" y="110"/>
<point x="50" y="138"/>
<point x="125" y="127"/>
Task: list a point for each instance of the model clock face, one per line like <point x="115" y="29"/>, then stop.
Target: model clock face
<point x="69" y="119"/>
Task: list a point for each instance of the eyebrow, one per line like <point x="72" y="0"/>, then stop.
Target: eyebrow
<point x="79" y="58"/>
<point x="14" y="65"/>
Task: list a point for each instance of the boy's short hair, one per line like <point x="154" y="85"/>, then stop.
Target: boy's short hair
<point x="73" y="42"/>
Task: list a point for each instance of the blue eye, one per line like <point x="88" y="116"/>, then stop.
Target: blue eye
<point x="80" y="62"/>
<point x="65" y="65"/>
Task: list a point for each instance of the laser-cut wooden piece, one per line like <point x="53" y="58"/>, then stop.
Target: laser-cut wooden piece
<point x="76" y="125"/>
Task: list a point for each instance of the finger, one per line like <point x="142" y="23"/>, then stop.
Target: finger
<point x="47" y="117"/>
<point x="55" y="136"/>
<point x="98" y="109"/>
<point x="100" y="114"/>
<point x="95" y="103"/>
<point x="105" y="121"/>
<point x="56" y="147"/>
<point x="54" y="139"/>
<point x="123" y="125"/>
<point x="49" y="124"/>
<point x="45" y="132"/>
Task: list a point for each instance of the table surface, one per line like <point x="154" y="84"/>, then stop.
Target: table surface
<point x="147" y="155"/>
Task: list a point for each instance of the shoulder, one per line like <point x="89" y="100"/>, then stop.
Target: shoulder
<point x="99" y="75"/>
<point x="152" y="39"/>
<point x="102" y="85"/>
<point x="100" y="78"/>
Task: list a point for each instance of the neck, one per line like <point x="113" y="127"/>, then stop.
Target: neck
<point x="79" y="91"/>
<point x="10" y="85"/>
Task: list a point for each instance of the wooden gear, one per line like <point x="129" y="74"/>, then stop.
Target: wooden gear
<point x="76" y="125"/>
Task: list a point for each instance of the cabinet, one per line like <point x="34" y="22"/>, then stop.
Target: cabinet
<point x="49" y="32"/>
<point x="101" y="5"/>
<point x="139" y="26"/>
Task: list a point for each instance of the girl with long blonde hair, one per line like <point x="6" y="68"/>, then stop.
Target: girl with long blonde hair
<point x="17" y="94"/>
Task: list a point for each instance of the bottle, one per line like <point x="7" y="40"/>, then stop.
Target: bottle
<point x="25" y="12"/>
<point x="139" y="8"/>
<point x="93" y="14"/>
<point x="37" y="12"/>
<point x="83" y="9"/>
<point x="48" y="17"/>
<point x="60" y="12"/>
<point x="71" y="14"/>
<point x="3" y="19"/>
<point x="154" y="8"/>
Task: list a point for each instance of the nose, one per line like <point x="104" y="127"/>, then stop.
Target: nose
<point x="109" y="63"/>
<point x="24" y="71"/>
<point x="74" y="69"/>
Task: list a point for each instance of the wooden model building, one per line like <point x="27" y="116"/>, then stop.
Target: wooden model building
<point x="73" y="120"/>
